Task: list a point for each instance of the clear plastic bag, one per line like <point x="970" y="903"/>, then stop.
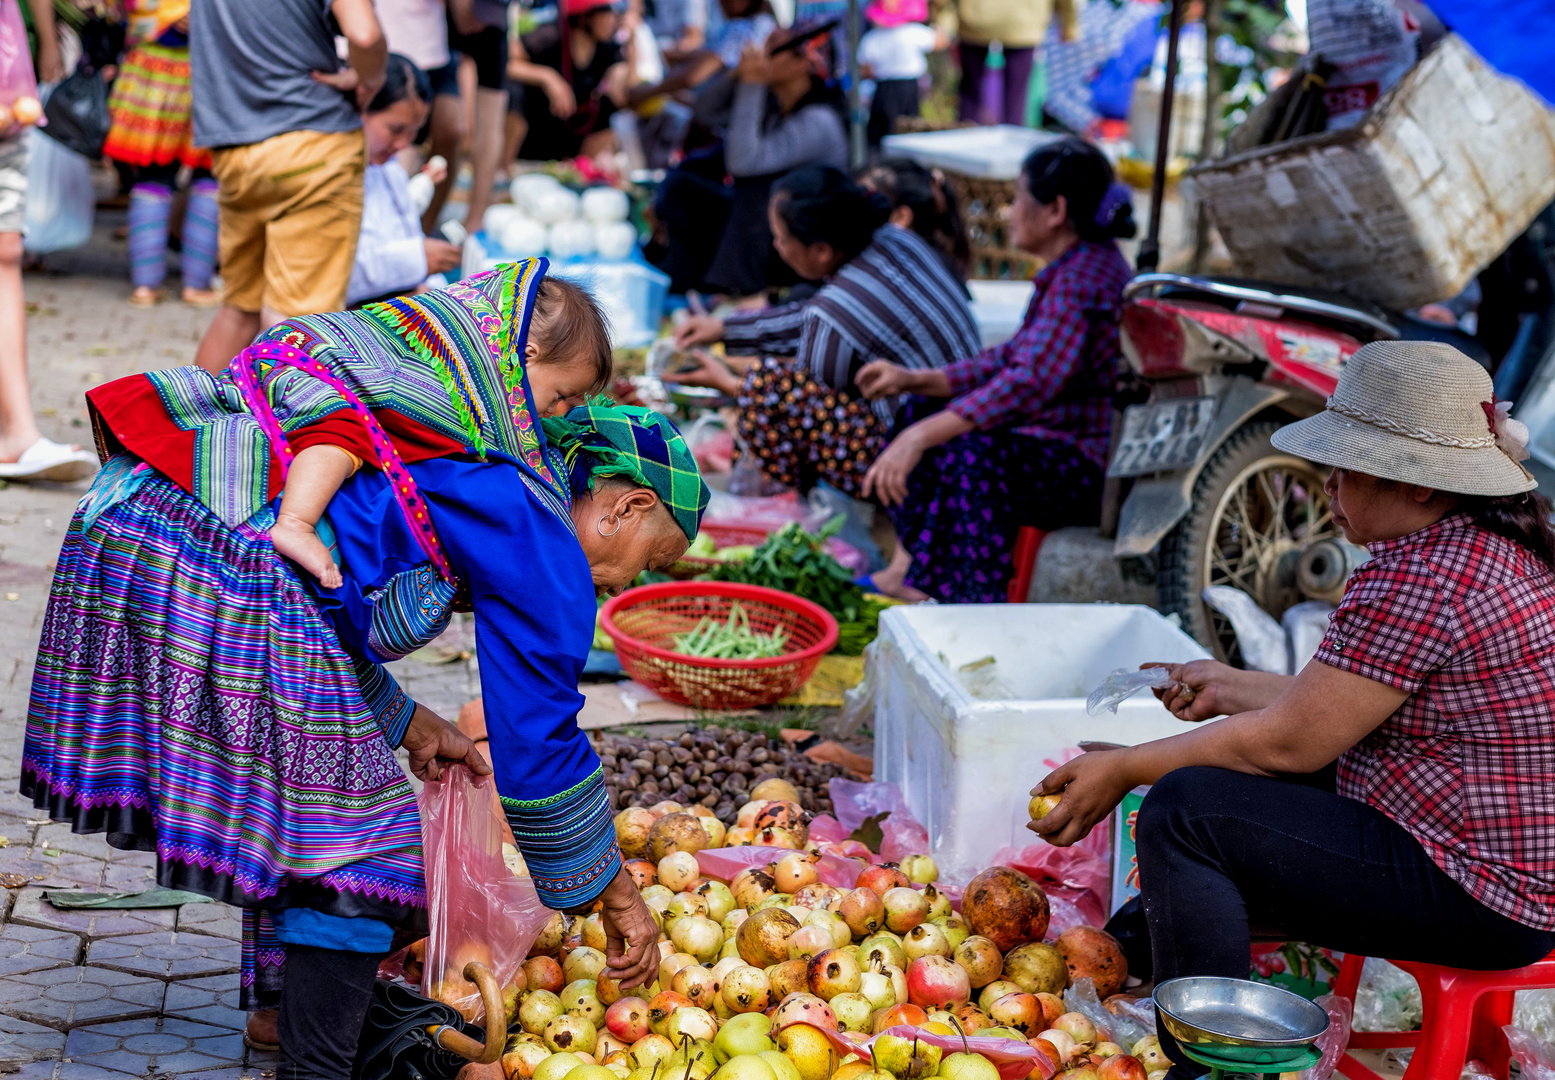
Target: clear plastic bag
<point x="1121" y="1028"/>
<point x="1335" y="1040"/>
<point x="1122" y="684"/>
<point x="1262" y="639"/>
<point x="1533" y="1054"/>
<point x="60" y="199"/>
<point x="1387" y="999"/>
<point x="1534" y="1012"/>
<point x="476" y="908"/>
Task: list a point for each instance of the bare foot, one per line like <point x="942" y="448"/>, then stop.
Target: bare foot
<point x="892" y="580"/>
<point x="297" y="540"/>
<point x="262" y="1029"/>
<point x="202" y="298"/>
<point x="145" y="296"/>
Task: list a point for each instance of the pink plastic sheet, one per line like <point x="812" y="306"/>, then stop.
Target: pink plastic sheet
<point x="476" y="908"/>
<point x="1014" y="1060"/>
<point x="855" y="800"/>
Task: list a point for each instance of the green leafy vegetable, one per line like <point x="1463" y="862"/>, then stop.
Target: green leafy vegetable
<point x="797" y="562"/>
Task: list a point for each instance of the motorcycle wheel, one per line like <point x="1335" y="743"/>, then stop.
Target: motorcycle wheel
<point x="1254" y="510"/>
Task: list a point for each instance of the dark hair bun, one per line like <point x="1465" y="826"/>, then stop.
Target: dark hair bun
<point x="401" y="79"/>
<point x="1100" y="208"/>
<point x="821" y="205"/>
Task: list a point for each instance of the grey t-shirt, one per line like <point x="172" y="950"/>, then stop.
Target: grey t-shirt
<point x="252" y="63"/>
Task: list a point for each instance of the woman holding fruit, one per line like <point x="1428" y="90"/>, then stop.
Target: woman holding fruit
<point x="199" y="696"/>
<point x="1433" y="690"/>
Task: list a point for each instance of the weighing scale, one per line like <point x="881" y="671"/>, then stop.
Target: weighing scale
<point x="1241" y="1026"/>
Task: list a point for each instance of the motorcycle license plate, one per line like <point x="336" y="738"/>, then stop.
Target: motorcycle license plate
<point x="1162" y="435"/>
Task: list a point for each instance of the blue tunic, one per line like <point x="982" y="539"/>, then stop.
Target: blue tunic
<point x="510" y="540"/>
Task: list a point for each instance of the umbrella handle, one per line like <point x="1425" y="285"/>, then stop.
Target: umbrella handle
<point x="458" y="1042"/>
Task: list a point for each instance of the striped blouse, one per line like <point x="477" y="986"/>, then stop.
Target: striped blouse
<point x="895" y="301"/>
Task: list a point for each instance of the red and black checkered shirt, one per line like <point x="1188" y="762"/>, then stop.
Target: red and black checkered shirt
<point x="1464" y="621"/>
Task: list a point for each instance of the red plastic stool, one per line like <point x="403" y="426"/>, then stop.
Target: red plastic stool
<point x="1027" y="543"/>
<point x="1463" y="1013"/>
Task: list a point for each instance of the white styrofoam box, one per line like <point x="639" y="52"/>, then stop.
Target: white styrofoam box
<point x="998" y="307"/>
<point x="994" y="152"/>
<point x="631" y="294"/>
<point x="966" y="763"/>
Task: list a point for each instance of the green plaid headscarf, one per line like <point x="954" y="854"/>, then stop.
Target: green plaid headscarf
<point x="639" y="444"/>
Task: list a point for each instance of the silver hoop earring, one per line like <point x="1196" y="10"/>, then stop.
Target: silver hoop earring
<point x="599" y="526"/>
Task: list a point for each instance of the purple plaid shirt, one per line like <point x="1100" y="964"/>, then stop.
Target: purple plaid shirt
<point x="1463" y="621"/>
<point x="1054" y="378"/>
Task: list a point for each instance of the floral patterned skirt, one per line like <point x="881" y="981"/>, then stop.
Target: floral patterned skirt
<point x="804" y="432"/>
<point x="967" y="500"/>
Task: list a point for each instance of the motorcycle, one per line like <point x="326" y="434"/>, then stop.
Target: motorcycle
<point x="1227" y="362"/>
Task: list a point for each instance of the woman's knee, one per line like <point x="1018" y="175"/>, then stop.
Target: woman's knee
<point x="1173" y="799"/>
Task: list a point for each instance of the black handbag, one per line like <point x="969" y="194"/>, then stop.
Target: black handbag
<point x="403" y="1035"/>
<point x="77" y="113"/>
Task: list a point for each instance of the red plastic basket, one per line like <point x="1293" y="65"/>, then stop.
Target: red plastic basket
<point x="643" y="623"/>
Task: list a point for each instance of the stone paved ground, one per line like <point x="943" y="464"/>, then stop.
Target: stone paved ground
<point x="105" y="995"/>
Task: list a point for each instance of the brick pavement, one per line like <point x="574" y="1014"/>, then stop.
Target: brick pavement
<point x="109" y="994"/>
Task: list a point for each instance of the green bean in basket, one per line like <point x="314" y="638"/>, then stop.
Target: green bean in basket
<point x="731" y="639"/>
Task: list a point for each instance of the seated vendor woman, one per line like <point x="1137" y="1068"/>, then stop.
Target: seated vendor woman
<point x="1433" y="689"/>
<point x="1023" y="440"/>
<point x="574" y="77"/>
<point x="886" y="293"/>
<point x="198" y="695"/>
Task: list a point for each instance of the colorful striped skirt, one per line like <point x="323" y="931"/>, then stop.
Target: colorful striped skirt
<point x="190" y="699"/>
<point x="151" y="110"/>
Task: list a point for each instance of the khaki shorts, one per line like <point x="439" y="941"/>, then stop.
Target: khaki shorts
<point x="291" y="209"/>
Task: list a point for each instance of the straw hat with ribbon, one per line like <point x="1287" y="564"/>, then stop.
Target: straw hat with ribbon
<point x="1419" y="412"/>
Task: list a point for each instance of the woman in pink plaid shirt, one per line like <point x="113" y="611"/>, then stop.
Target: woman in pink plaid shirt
<point x="1433" y="692"/>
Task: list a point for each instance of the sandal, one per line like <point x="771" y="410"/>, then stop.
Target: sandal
<point x="144" y="297"/>
<point x="49" y="460"/>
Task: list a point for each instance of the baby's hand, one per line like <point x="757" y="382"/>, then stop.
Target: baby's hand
<point x="436" y="170"/>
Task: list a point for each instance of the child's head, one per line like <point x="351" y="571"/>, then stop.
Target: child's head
<point x="397" y="111"/>
<point x="568" y="355"/>
<point x="922" y="200"/>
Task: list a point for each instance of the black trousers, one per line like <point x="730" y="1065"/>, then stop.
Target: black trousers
<point x="324" y="1000"/>
<point x="893" y="98"/>
<point x="1220" y="850"/>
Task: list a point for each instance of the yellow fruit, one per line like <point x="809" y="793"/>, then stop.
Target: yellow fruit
<point x="849" y="1069"/>
<point x="809" y="1049"/>
<point x="938" y="1028"/>
<point x="1041" y="806"/>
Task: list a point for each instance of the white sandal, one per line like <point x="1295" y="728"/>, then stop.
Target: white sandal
<point x="49" y="460"/>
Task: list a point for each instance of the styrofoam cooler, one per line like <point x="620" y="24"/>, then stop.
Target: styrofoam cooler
<point x="967" y="763"/>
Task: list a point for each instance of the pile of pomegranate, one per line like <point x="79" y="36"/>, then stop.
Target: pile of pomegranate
<point x="776" y="975"/>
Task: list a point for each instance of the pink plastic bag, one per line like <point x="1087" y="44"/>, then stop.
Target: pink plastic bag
<point x="1336" y="1039"/>
<point x="477" y="909"/>
<point x="16" y="75"/>
<point x="854" y="800"/>
<point x="1015" y="1060"/>
<point x="1079" y="877"/>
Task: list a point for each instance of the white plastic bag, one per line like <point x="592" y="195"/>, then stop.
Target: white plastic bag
<point x="60" y="200"/>
<point x="1122" y="684"/>
<point x="1387" y="999"/>
<point x="1305" y="624"/>
<point x="1263" y="643"/>
<point x="1534" y="1012"/>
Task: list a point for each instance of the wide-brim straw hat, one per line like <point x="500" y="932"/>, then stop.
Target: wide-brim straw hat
<point x="1419" y="412"/>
